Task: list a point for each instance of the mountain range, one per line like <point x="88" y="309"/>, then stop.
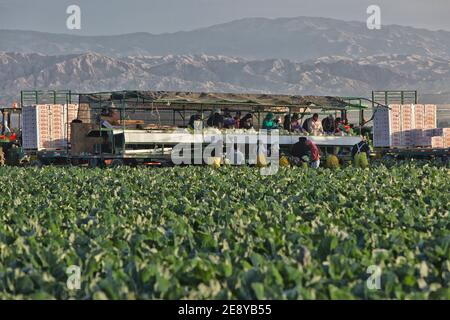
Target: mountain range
<point x="332" y="75"/>
<point x="297" y="39"/>
<point x="300" y="55"/>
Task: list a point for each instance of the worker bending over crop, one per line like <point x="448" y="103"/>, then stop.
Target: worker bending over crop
<point x="305" y="147"/>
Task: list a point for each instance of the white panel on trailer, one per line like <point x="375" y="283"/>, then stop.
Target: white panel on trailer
<point x="148" y="137"/>
<point x="30" y="127"/>
<point x="381" y="127"/>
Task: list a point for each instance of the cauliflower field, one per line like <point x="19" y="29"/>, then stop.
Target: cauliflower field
<point x="227" y="233"/>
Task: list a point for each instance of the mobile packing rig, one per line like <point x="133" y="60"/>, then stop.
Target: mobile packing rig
<point x="142" y="127"/>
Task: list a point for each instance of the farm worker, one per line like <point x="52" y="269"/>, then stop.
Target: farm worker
<point x="315" y="154"/>
<point x="361" y="146"/>
<point x="278" y="124"/>
<point x="246" y="121"/>
<point x="287" y="122"/>
<point x="305" y="147"/>
<point x="299" y="149"/>
<point x="228" y="120"/>
<point x="328" y="124"/>
<point x="237" y="120"/>
<point x="268" y="122"/>
<point x="109" y="115"/>
<point x="193" y="118"/>
<point x="338" y="126"/>
<point x="313" y="125"/>
<point x="295" y="123"/>
<point x="215" y="119"/>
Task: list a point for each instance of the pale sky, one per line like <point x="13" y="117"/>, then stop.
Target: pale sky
<point x="107" y="17"/>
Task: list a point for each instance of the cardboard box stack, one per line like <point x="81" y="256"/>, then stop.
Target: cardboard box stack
<point x="430" y="120"/>
<point x="409" y="126"/>
<point x="419" y="116"/>
<point x="396" y="125"/>
<point x="444" y="133"/>
<point x="45" y="126"/>
<point x="437" y="142"/>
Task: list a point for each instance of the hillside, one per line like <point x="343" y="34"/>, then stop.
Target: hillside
<point x="296" y="39"/>
<point x="329" y="75"/>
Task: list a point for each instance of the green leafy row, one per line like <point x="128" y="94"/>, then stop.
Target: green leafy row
<point x="231" y="233"/>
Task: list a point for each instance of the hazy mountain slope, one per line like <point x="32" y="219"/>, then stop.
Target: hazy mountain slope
<point x="296" y="39"/>
<point x="324" y="76"/>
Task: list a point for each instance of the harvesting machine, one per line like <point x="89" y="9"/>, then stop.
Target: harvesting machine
<point x="143" y="127"/>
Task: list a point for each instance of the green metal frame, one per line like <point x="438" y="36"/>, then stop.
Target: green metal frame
<point x="31" y="97"/>
<point x="387" y="97"/>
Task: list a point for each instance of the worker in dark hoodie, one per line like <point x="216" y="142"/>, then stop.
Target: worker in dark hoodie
<point x="246" y="122"/>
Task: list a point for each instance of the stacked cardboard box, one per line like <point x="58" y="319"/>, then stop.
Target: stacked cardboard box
<point x="409" y="126"/>
<point x="430" y="119"/>
<point x="445" y="134"/>
<point x="396" y="125"/>
<point x="437" y="142"/>
<point x="436" y="138"/>
<point x="419" y="116"/>
<point x="441" y="132"/>
<point x="46" y="126"/>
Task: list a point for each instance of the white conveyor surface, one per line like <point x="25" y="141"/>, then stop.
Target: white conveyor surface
<point x="149" y="137"/>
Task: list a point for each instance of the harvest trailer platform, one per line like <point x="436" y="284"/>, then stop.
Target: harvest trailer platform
<point x="150" y="123"/>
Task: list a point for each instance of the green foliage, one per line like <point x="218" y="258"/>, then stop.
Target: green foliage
<point x="332" y="162"/>
<point x="201" y="233"/>
<point x="361" y="160"/>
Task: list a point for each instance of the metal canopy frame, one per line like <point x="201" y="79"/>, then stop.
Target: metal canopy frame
<point x="31" y="97"/>
<point x="386" y="97"/>
<point x="182" y="102"/>
<point x="177" y="100"/>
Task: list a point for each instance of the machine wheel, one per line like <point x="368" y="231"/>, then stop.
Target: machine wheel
<point x="74" y="163"/>
<point x="445" y="160"/>
<point x="93" y="162"/>
<point x="36" y="163"/>
<point x="116" y="163"/>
